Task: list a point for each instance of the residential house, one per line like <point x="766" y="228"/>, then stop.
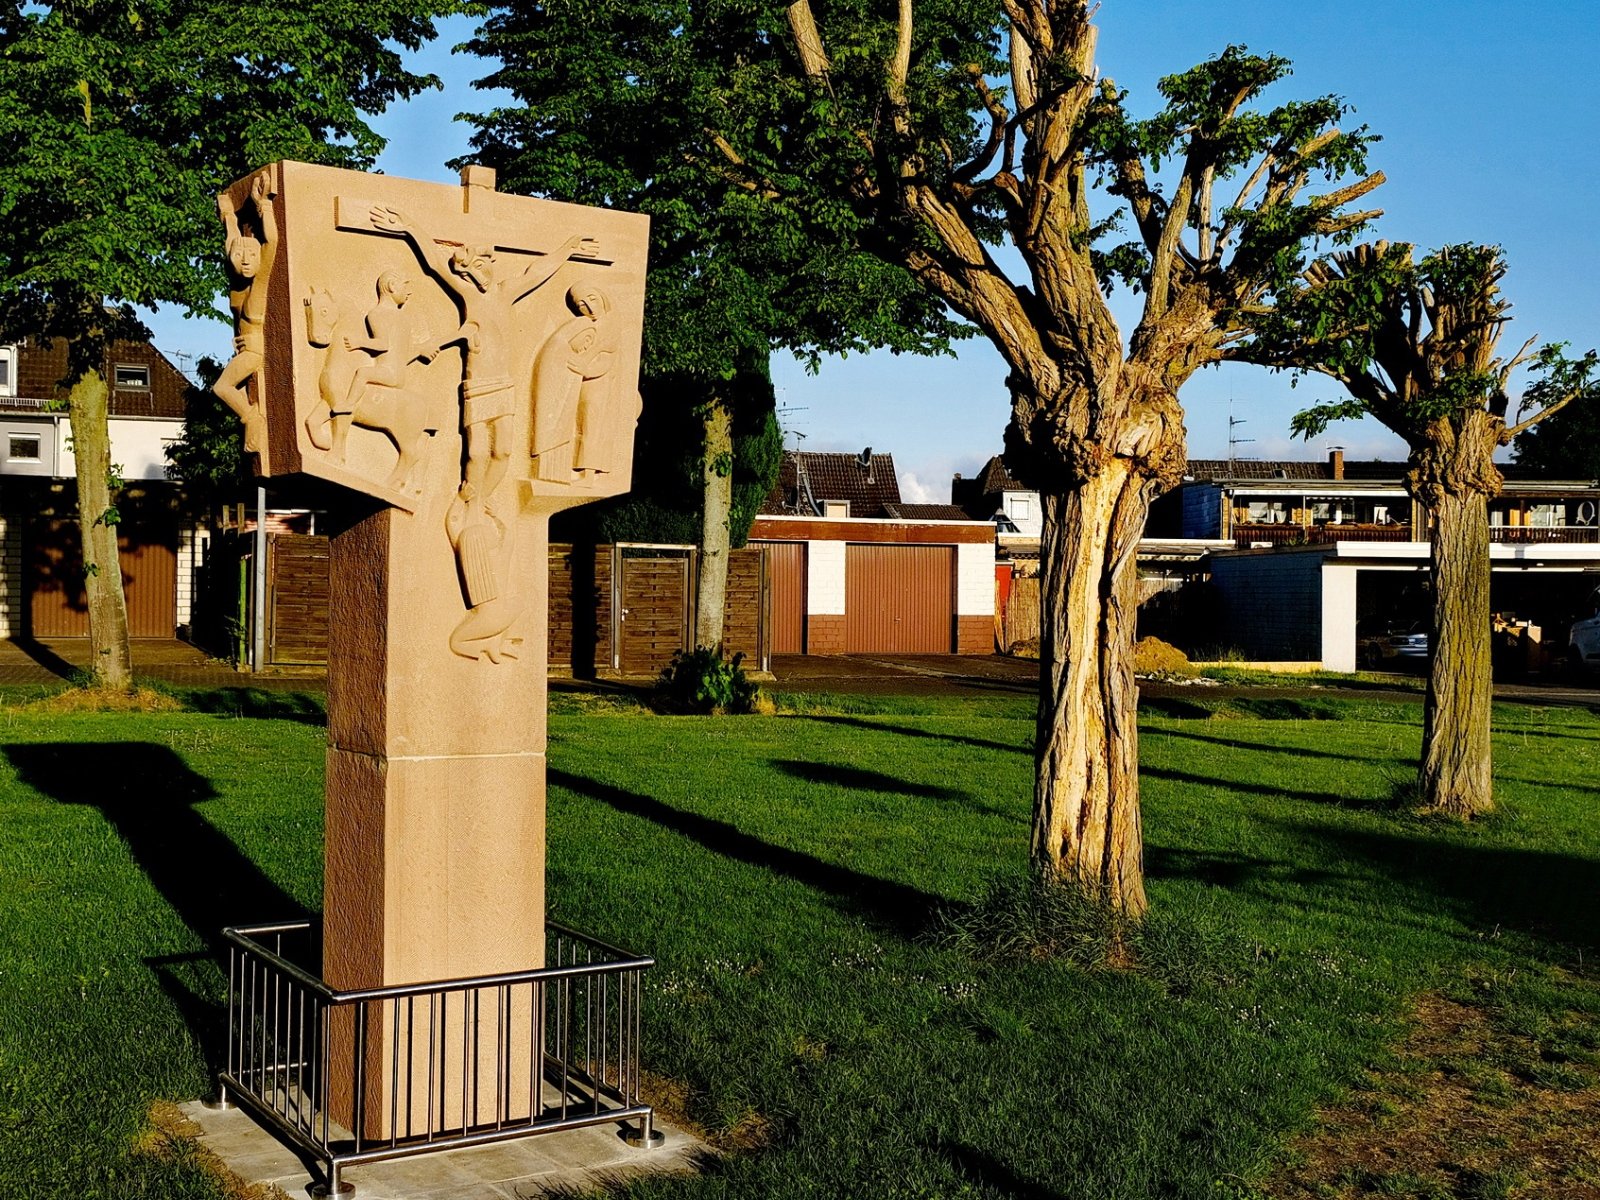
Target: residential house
<point x="1320" y="548"/>
<point x="855" y="569"/>
<point x="41" y="589"/>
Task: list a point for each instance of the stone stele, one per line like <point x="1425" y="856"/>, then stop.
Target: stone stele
<point x="461" y="364"/>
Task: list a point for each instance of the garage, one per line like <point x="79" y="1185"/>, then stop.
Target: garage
<point x="786" y="563"/>
<point x="899" y="599"/>
<point x="148" y="544"/>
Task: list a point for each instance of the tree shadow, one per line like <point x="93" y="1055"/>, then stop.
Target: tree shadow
<point x="146" y="792"/>
<point x="46" y="657"/>
<point x="913" y="732"/>
<point x="859" y="779"/>
<point x="303" y="707"/>
<point x="1548" y="896"/>
<point x="990" y="1174"/>
<point x="899" y="907"/>
<point x="1232" y="743"/>
<point x="1265" y="789"/>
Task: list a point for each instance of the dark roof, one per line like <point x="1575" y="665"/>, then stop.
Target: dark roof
<point x="807" y="478"/>
<point x="40" y="370"/>
<point x="928" y="512"/>
<point x="1295" y="470"/>
<point x="979" y="497"/>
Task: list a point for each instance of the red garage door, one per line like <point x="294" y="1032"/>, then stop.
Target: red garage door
<point x="899" y="599"/>
<point x="148" y="542"/>
<point x="786" y="568"/>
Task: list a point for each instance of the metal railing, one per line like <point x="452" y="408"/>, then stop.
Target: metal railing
<point x="1543" y="534"/>
<point x="362" y="1075"/>
<point x="1247" y="535"/>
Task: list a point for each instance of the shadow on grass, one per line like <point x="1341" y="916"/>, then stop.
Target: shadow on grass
<point x="989" y="1173"/>
<point x="860" y="779"/>
<point x="913" y="732"/>
<point x="903" y="909"/>
<point x="147" y="793"/>
<point x="1233" y="743"/>
<point x="1266" y="789"/>
<point x="255" y="702"/>
<point x="1545" y="895"/>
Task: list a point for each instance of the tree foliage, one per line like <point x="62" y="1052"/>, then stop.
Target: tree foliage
<point x="1415" y="343"/>
<point x="664" y="504"/>
<point x="120" y="122"/>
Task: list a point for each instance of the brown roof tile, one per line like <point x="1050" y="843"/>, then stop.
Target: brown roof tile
<point x="927" y="512"/>
<point x="869" y="489"/>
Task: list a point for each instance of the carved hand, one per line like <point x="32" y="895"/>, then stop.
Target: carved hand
<point x="388" y="220"/>
<point x="261" y="188"/>
<point x="581" y="247"/>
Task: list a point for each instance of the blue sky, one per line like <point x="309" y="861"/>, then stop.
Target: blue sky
<point x="1490" y="115"/>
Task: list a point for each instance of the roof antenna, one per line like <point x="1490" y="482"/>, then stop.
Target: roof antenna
<point x="866" y="463"/>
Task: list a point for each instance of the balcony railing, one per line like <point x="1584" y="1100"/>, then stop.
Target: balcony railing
<point x="1533" y="535"/>
<point x="357" y="1076"/>
<point x="1247" y="535"/>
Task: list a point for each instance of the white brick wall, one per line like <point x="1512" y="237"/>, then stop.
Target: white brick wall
<point x="12" y="592"/>
<point x="825" y="578"/>
<point x="191" y="553"/>
<point x="975" y="579"/>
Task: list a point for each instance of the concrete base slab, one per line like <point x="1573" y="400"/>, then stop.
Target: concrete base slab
<point x="550" y="1164"/>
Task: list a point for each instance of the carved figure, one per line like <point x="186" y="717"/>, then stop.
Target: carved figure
<point x="363" y="381"/>
<point x="574" y="432"/>
<point x="488" y="393"/>
<point x="478" y="536"/>
<point x="250" y="266"/>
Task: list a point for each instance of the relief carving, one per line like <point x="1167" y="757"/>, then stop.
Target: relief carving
<point x="580" y="426"/>
<point x="484" y="296"/>
<point x="250" y="256"/>
<point x="363" y="379"/>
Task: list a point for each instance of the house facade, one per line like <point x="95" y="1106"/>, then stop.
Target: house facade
<point x="854" y="569"/>
<point x="1323" y="552"/>
<point x="41" y="589"/>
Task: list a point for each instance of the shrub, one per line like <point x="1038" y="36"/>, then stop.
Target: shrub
<point x="703" y="681"/>
<point x="1152" y="656"/>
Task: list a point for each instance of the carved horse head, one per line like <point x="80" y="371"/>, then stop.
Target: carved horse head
<point x="322" y="315"/>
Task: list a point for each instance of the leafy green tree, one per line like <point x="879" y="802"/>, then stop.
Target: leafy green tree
<point x="1567" y="444"/>
<point x="625" y="103"/>
<point x="886" y="129"/>
<point x="119" y="123"/>
<point x="1415" y="343"/>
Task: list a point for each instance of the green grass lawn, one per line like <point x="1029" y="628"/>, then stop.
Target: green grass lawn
<point x="789" y="873"/>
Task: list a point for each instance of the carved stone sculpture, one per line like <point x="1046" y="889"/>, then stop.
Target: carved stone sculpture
<point x="396" y="309"/>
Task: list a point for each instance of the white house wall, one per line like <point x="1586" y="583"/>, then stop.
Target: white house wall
<point x="975" y="579"/>
<point x="825" y="578"/>
<point x="138" y="446"/>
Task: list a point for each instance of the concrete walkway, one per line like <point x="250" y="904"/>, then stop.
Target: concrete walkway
<point x="24" y="661"/>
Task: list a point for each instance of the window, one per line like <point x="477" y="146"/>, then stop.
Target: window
<point x="22" y="447"/>
<point x="1020" y="508"/>
<point x="836" y="508"/>
<point x="131" y="375"/>
<point x="8" y="370"/>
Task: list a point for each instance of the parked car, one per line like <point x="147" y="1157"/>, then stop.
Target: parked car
<point x="1583" y="643"/>
<point x="1391" y="648"/>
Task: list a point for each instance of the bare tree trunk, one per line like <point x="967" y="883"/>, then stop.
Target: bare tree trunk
<point x="717" y="461"/>
<point x="110" y="662"/>
<point x="1456" y="771"/>
<point x="1086" y="826"/>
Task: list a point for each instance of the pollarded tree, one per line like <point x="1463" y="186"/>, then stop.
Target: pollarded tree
<point x="119" y="123"/>
<point x="627" y="103"/>
<point x="896" y="131"/>
<point x="1415" y="342"/>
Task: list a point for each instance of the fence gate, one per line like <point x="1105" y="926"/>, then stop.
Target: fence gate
<point x="297" y="599"/>
<point x="653" y="618"/>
